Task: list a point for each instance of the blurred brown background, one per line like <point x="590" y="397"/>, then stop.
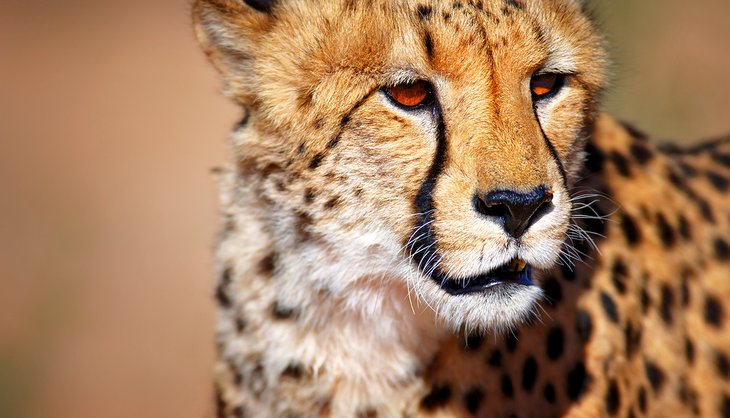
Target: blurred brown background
<point x="110" y="120"/>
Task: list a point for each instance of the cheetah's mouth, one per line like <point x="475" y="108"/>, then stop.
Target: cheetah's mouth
<point x="514" y="273"/>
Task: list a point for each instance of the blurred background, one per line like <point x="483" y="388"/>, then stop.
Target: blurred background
<point x="110" y="120"/>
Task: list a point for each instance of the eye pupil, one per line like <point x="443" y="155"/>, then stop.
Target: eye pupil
<point x="410" y="94"/>
<point x="544" y="84"/>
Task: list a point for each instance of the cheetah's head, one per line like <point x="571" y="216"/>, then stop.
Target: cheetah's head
<point x="430" y="141"/>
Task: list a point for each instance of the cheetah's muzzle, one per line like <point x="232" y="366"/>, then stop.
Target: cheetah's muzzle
<point x="515" y="273"/>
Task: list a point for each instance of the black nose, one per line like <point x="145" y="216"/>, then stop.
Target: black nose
<point x="516" y="211"/>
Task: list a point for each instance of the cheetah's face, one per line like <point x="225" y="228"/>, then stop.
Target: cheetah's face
<point x="445" y="134"/>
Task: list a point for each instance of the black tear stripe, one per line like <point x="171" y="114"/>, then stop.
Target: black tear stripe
<point x="552" y="149"/>
<point x="422" y="243"/>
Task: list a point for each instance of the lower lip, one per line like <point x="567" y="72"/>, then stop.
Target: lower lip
<point x="524" y="279"/>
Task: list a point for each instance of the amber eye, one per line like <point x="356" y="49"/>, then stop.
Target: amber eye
<point x="544" y="85"/>
<point x="410" y="94"/>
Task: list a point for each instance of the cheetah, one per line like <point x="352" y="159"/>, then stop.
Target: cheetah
<point x="427" y="215"/>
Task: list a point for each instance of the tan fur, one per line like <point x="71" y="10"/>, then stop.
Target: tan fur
<point x="325" y="308"/>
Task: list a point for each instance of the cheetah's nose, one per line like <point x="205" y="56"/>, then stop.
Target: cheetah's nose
<point x="515" y="211"/>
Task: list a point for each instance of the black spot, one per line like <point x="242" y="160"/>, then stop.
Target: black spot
<point x="667" y="304"/>
<point x="507" y="388"/>
<point x="621" y="163"/>
<point x="641" y="152"/>
<point x="702" y="205"/>
<point x="679" y="182"/>
<point x="632" y="339"/>
<point x="332" y="203"/>
<point x="689" y="397"/>
<point x="221" y="291"/>
<point x="666" y="233"/>
<point x="237" y="376"/>
<point x="687" y="170"/>
<point x="577" y="380"/>
<point x="293" y="370"/>
<point x="553" y="291"/>
<point x="594" y="158"/>
<point x="267" y="265"/>
<point x="655" y="376"/>
<point x="641" y="399"/>
<point x="474" y="341"/>
<point x="333" y="142"/>
<point x="240" y="324"/>
<point x="549" y="393"/>
<point x="220" y="403"/>
<point x="261" y="5"/>
<point x="634" y="132"/>
<point x="722" y="364"/>
<point x="473" y="399"/>
<point x="684" y="228"/>
<point x="644" y="300"/>
<point x="309" y="196"/>
<point x="495" y="359"/>
<point x="438" y="397"/>
<point x="367" y="413"/>
<point x="631" y="232"/>
<point x="725" y="407"/>
<point x="609" y="307"/>
<point x="511" y="341"/>
<point x="515" y="3"/>
<point x="584" y="325"/>
<point x="723" y="159"/>
<point x="345" y="120"/>
<point x="428" y="41"/>
<point x="714" y="314"/>
<point x="301" y="229"/>
<point x="283" y="312"/>
<point x="613" y="398"/>
<point x="529" y="374"/>
<point x="239" y="411"/>
<point x="316" y="161"/>
<point x="689" y="350"/>
<point x="424" y="12"/>
<point x="718" y="181"/>
<point x="722" y="249"/>
<point x="619" y="272"/>
<point x="555" y="343"/>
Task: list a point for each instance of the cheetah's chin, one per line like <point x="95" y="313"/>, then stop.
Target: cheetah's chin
<point x="514" y="273"/>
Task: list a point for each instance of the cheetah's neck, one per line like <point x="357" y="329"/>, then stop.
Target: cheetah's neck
<point x="292" y="343"/>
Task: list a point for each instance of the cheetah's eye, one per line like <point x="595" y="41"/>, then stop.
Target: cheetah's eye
<point x="546" y="85"/>
<point x="411" y="95"/>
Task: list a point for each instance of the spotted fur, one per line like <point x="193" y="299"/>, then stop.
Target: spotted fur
<point x="346" y="219"/>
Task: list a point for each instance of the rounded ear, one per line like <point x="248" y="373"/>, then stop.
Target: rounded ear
<point x="228" y="32"/>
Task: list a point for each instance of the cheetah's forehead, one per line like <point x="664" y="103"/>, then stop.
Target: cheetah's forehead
<point x="298" y="57"/>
